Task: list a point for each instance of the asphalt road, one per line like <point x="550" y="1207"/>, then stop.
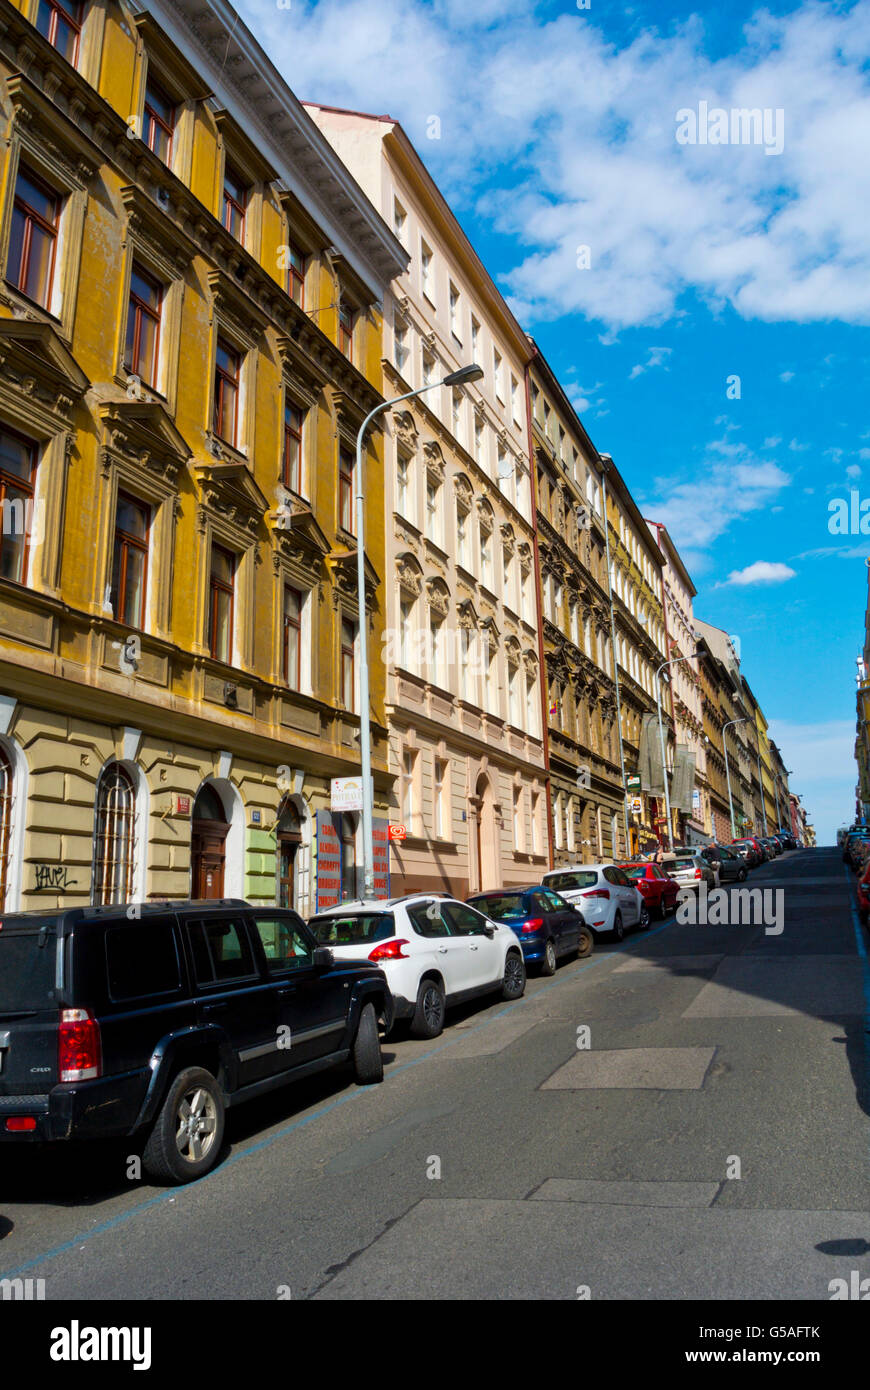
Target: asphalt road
<point x="711" y="1141"/>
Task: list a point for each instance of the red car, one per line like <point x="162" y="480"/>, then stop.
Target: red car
<point x="864" y="894"/>
<point x="659" y="892"/>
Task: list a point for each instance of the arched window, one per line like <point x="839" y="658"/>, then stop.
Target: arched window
<point x="114" y="836"/>
<point x="5" y="823"/>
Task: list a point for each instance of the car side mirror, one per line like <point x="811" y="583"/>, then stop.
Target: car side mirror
<point x="489" y="931"/>
<point x="323" y="959"/>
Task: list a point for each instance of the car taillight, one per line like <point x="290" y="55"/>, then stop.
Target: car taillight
<point x="16" y="1123"/>
<point x="390" y="950"/>
<point x="79" y="1053"/>
<point x="598" y="893"/>
<point x="697" y="873"/>
<point x="532" y="924"/>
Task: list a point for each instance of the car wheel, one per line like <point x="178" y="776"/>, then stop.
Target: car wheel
<point x="618" y="929"/>
<point x="428" y="1019"/>
<point x="368" y="1064"/>
<point x="186" y="1137"/>
<point x="644" y="919"/>
<point x="585" y="944"/>
<point x="514" y="980"/>
<point x="548" y="966"/>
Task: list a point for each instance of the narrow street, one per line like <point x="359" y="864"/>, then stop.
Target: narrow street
<point x="710" y="1142"/>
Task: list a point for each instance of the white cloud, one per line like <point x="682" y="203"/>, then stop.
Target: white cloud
<point x="656" y="357"/>
<point x="573" y="141"/>
<point x="786" y="376"/>
<point x="699" y="508"/>
<point x="797" y="448"/>
<point x="853" y="470"/>
<point x="760" y="572"/>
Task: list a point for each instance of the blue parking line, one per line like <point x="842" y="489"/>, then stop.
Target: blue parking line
<point x="865" y="972"/>
<point x="354" y="1094"/>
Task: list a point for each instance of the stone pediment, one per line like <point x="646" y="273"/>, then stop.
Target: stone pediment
<point x="34" y="357"/>
<point x="342" y="568"/>
<point x="143" y="431"/>
<point x="297" y="528"/>
<point x="230" y="490"/>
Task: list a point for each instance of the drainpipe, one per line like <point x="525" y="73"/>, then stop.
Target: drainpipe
<point x="542" y="663"/>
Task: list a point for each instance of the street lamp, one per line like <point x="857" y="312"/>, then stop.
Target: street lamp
<point x="462" y="377"/>
<point x="744" y="720"/>
<point x="673" y="662"/>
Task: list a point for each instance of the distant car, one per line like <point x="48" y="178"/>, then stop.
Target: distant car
<point x="774" y="848"/>
<point x="748" y="851"/>
<point x="549" y="928"/>
<point x="728" y="865"/>
<point x="660" y="891"/>
<point x="434" y="950"/>
<point x="856" y="851"/>
<point x="690" y="869"/>
<point x="609" y="900"/>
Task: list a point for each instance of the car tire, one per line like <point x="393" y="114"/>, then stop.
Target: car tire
<point x="585" y="943"/>
<point x="618" y="932"/>
<point x="368" y="1063"/>
<point x="548" y="964"/>
<point x="643" y="921"/>
<point x="428" y="1020"/>
<point x="194" y="1093"/>
<point x="513" y="985"/>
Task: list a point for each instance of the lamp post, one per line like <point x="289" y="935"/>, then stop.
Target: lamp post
<point x="459" y="378"/>
<point x="673" y="662"/>
<point x="728" y="771"/>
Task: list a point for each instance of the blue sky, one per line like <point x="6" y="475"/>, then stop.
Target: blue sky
<point x="705" y="261"/>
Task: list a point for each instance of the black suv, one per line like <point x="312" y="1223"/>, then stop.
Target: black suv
<point x="153" y="1018"/>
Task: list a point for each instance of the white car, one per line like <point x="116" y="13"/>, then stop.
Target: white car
<point x="434" y="950"/>
<point x="607" y="896"/>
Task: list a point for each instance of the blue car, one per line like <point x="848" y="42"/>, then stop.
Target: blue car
<point x="548" y="926"/>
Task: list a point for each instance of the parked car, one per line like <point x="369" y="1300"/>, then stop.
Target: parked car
<point x="773" y="847"/>
<point x="609" y="900"/>
<point x="748" y="851"/>
<point x="547" y="925"/>
<point x="154" y="1024"/>
<point x="856" y="850"/>
<point x="728" y="866"/>
<point x="658" y="889"/>
<point x="863" y="891"/>
<point x="434" y="950"/>
<point x="690" y="869"/>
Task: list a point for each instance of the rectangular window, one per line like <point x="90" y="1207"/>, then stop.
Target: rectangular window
<point x="61" y="24"/>
<point x="497" y="373"/>
<point x="433" y="511"/>
<point x="515" y="399"/>
<point x="519" y="837"/>
<point x="293" y="601"/>
<point x="514" y="695"/>
<point x="226" y="393"/>
<point x="456" y="415"/>
<point x="18" y="459"/>
<point x="428" y="369"/>
<point x="346" y="470"/>
<point x="436" y="673"/>
<point x="158" y="122"/>
<point x="475" y="338"/>
<point x="293" y="447"/>
<point x="440" y="789"/>
<point x="535" y="817"/>
<point x="462" y="537"/>
<point x="142" y="961"/>
<point x="409" y="807"/>
<point x="236" y="194"/>
<point x="426" y="272"/>
<point x="220" y="612"/>
<point x="400" y="221"/>
<point x="221" y="951"/>
<point x="296" y="262"/>
<point x="454" y="312"/>
<point x="403" y="469"/>
<point x="485" y="557"/>
<point x="33" y="239"/>
<point x="348" y="648"/>
<point x="400" y="343"/>
<point x="130" y="562"/>
<point x="141" y="354"/>
<point x="345" y="329"/>
<point x="479" y="441"/>
<point x="406" y="619"/>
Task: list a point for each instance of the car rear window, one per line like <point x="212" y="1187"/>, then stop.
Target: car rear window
<point x="142" y="960"/>
<point x="686" y="863"/>
<point x="353" y="928"/>
<point x="501" y="907"/>
<point x="636" y="871"/>
<point x="27" y="968"/>
<point x="578" y="879"/>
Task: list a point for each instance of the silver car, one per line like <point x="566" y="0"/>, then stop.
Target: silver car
<point x="690" y="870"/>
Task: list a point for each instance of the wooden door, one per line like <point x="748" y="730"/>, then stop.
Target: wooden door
<point x="207" y="856"/>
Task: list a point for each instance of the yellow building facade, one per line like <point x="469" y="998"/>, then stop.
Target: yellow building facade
<point x="190" y="339"/>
